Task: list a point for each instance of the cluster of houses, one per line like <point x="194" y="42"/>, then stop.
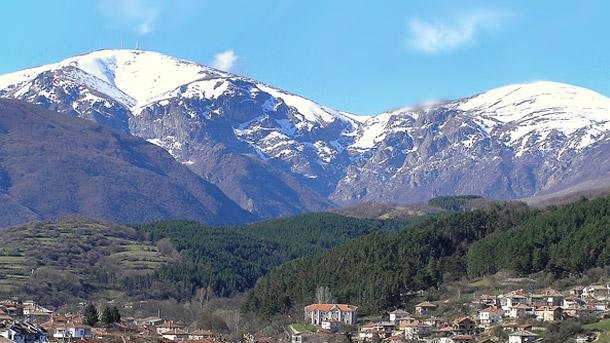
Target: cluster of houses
<point x="169" y="330"/>
<point x="519" y="314"/>
<point x="28" y="322"/>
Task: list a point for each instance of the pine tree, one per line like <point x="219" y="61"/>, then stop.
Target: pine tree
<point x="116" y="316"/>
<point x="91" y="315"/>
<point x="107" y="318"/>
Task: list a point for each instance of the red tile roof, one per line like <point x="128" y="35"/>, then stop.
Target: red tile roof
<point x="492" y="310"/>
<point x="329" y="307"/>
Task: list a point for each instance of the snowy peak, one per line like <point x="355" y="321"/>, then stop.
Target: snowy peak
<point x="146" y="77"/>
<point x="540" y="115"/>
<point x="515" y="102"/>
<point x="128" y="70"/>
<point x="140" y="74"/>
<point x="547" y="105"/>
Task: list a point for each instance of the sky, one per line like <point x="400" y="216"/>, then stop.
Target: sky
<point x="364" y="57"/>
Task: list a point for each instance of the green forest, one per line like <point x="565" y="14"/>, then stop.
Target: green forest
<point x="381" y="271"/>
<point x="562" y="240"/>
<point x="226" y="260"/>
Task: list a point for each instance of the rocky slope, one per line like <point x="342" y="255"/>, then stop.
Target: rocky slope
<point x="510" y="142"/>
<point x="53" y="166"/>
<point x="275" y="153"/>
<point x="271" y="151"/>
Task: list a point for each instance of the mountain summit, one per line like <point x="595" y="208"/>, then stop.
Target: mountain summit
<point x="276" y="153"/>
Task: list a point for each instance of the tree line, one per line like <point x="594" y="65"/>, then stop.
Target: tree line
<point x="381" y="271"/>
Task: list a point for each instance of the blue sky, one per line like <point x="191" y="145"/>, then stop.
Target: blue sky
<point x="360" y="56"/>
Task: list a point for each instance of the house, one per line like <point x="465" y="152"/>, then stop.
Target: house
<point x="71" y="330"/>
<point x="512" y="327"/>
<point x="549" y="313"/>
<point x="12" y="308"/>
<point x="168" y="326"/>
<point x="489" y="300"/>
<point x="424" y="308"/>
<point x="522" y="337"/>
<point x="384" y="328"/>
<point x="521" y="311"/>
<point x="64" y="327"/>
<point x="434" y="321"/>
<point x="513" y="299"/>
<point x="403" y="323"/>
<point x="331" y="326"/>
<point x="367" y="334"/>
<point x="572" y="301"/>
<point x="30" y="308"/>
<point x="457" y="339"/>
<point x="597" y="292"/>
<point x="301" y="337"/>
<point x="415" y="330"/>
<point x="306" y="336"/>
<point x="25" y="332"/>
<point x="490" y="315"/>
<point x="548" y="296"/>
<point x="4" y="315"/>
<point x="175" y="334"/>
<point x="397" y="315"/>
<point x="463" y="326"/>
<point x="577" y="311"/>
<point x="577" y="291"/>
<point x="201" y="335"/>
<point x="148" y="321"/>
<point x="317" y="313"/>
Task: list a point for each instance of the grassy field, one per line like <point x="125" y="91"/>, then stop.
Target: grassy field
<point x="603" y="337"/>
<point x="88" y="255"/>
<point x="303" y="327"/>
<point x="603" y="325"/>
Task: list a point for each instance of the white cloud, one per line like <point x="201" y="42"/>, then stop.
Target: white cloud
<point x="437" y="36"/>
<point x="136" y="15"/>
<point x="224" y="60"/>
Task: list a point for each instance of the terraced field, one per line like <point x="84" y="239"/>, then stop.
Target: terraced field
<point x="85" y="256"/>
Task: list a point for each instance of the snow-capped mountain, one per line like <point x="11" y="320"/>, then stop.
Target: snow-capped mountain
<point x="276" y="153"/>
<point x="292" y="151"/>
<point x="509" y="142"/>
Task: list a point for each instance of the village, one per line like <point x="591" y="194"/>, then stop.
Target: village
<point x="517" y="316"/>
<point x="29" y="322"/>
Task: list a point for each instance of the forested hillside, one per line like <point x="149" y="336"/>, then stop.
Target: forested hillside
<point x="381" y="271"/>
<point x="566" y="239"/>
<point x="226" y="260"/>
<point x="81" y="259"/>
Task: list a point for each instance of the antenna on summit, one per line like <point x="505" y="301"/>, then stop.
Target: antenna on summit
<point x="137" y="45"/>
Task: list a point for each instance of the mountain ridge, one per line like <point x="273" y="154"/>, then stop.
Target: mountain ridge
<point x="54" y="166"/>
<point x="276" y="153"/>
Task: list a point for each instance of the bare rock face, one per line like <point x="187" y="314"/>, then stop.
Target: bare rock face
<point x="511" y="142"/>
<point x="275" y="153"/>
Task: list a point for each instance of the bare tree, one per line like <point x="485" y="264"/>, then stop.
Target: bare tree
<point x="323" y="295"/>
